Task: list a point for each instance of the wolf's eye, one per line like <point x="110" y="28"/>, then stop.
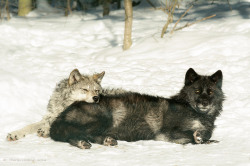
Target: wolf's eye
<point x="197" y="91"/>
<point x="209" y="91"/>
<point x="84" y="90"/>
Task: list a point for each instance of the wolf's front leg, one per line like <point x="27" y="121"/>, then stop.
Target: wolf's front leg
<point x="44" y="130"/>
<point x="176" y="136"/>
<point x="109" y="138"/>
<point x="104" y="140"/>
<point x="109" y="141"/>
<point x="197" y="137"/>
<point x="202" y="137"/>
<point x="18" y="134"/>
<point x="80" y="143"/>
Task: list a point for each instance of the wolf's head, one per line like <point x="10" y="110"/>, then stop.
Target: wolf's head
<point x="203" y="93"/>
<point x="85" y="88"/>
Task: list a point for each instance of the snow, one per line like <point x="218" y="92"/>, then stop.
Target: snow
<point x="39" y="50"/>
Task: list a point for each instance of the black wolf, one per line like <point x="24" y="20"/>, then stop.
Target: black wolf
<point x="187" y="117"/>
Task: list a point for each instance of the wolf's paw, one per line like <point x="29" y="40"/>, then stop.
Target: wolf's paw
<point x="14" y="136"/>
<point x="43" y="132"/>
<point x="83" y="145"/>
<point x="210" y="142"/>
<point x="108" y="141"/>
<point x="197" y="137"/>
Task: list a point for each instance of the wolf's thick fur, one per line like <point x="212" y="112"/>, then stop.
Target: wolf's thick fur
<point x="76" y="88"/>
<point x="185" y="118"/>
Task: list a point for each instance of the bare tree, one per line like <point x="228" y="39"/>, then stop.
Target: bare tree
<point x="1" y="4"/>
<point x="4" y="4"/>
<point x="170" y="7"/>
<point x="68" y="8"/>
<point x="7" y="9"/>
<point x="24" y="7"/>
<point x="105" y="5"/>
<point x="127" y="42"/>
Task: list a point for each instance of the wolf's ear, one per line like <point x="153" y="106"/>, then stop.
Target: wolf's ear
<point x="217" y="78"/>
<point x="98" y="77"/>
<point x="74" y="77"/>
<point x="191" y="76"/>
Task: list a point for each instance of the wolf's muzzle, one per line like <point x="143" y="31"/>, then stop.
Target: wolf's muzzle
<point x="204" y="103"/>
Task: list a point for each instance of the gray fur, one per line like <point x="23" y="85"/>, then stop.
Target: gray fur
<point x="77" y="87"/>
<point x="108" y="92"/>
<point x="154" y="117"/>
<point x="118" y="114"/>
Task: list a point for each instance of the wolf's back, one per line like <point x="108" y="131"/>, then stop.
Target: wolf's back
<point x="130" y="116"/>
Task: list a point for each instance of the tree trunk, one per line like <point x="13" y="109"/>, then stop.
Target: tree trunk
<point x="127" y="42"/>
<point x="68" y="8"/>
<point x="7" y="10"/>
<point x="1" y="4"/>
<point x="105" y="6"/>
<point x="24" y="7"/>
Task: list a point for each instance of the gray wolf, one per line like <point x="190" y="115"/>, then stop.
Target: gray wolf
<point x="77" y="87"/>
<point x="187" y="117"/>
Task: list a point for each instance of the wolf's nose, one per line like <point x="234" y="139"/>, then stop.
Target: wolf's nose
<point x="205" y="103"/>
<point x="96" y="99"/>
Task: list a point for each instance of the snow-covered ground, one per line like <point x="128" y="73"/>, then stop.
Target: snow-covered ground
<point x="39" y="50"/>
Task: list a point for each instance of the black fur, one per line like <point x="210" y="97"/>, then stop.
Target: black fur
<point x="133" y="116"/>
